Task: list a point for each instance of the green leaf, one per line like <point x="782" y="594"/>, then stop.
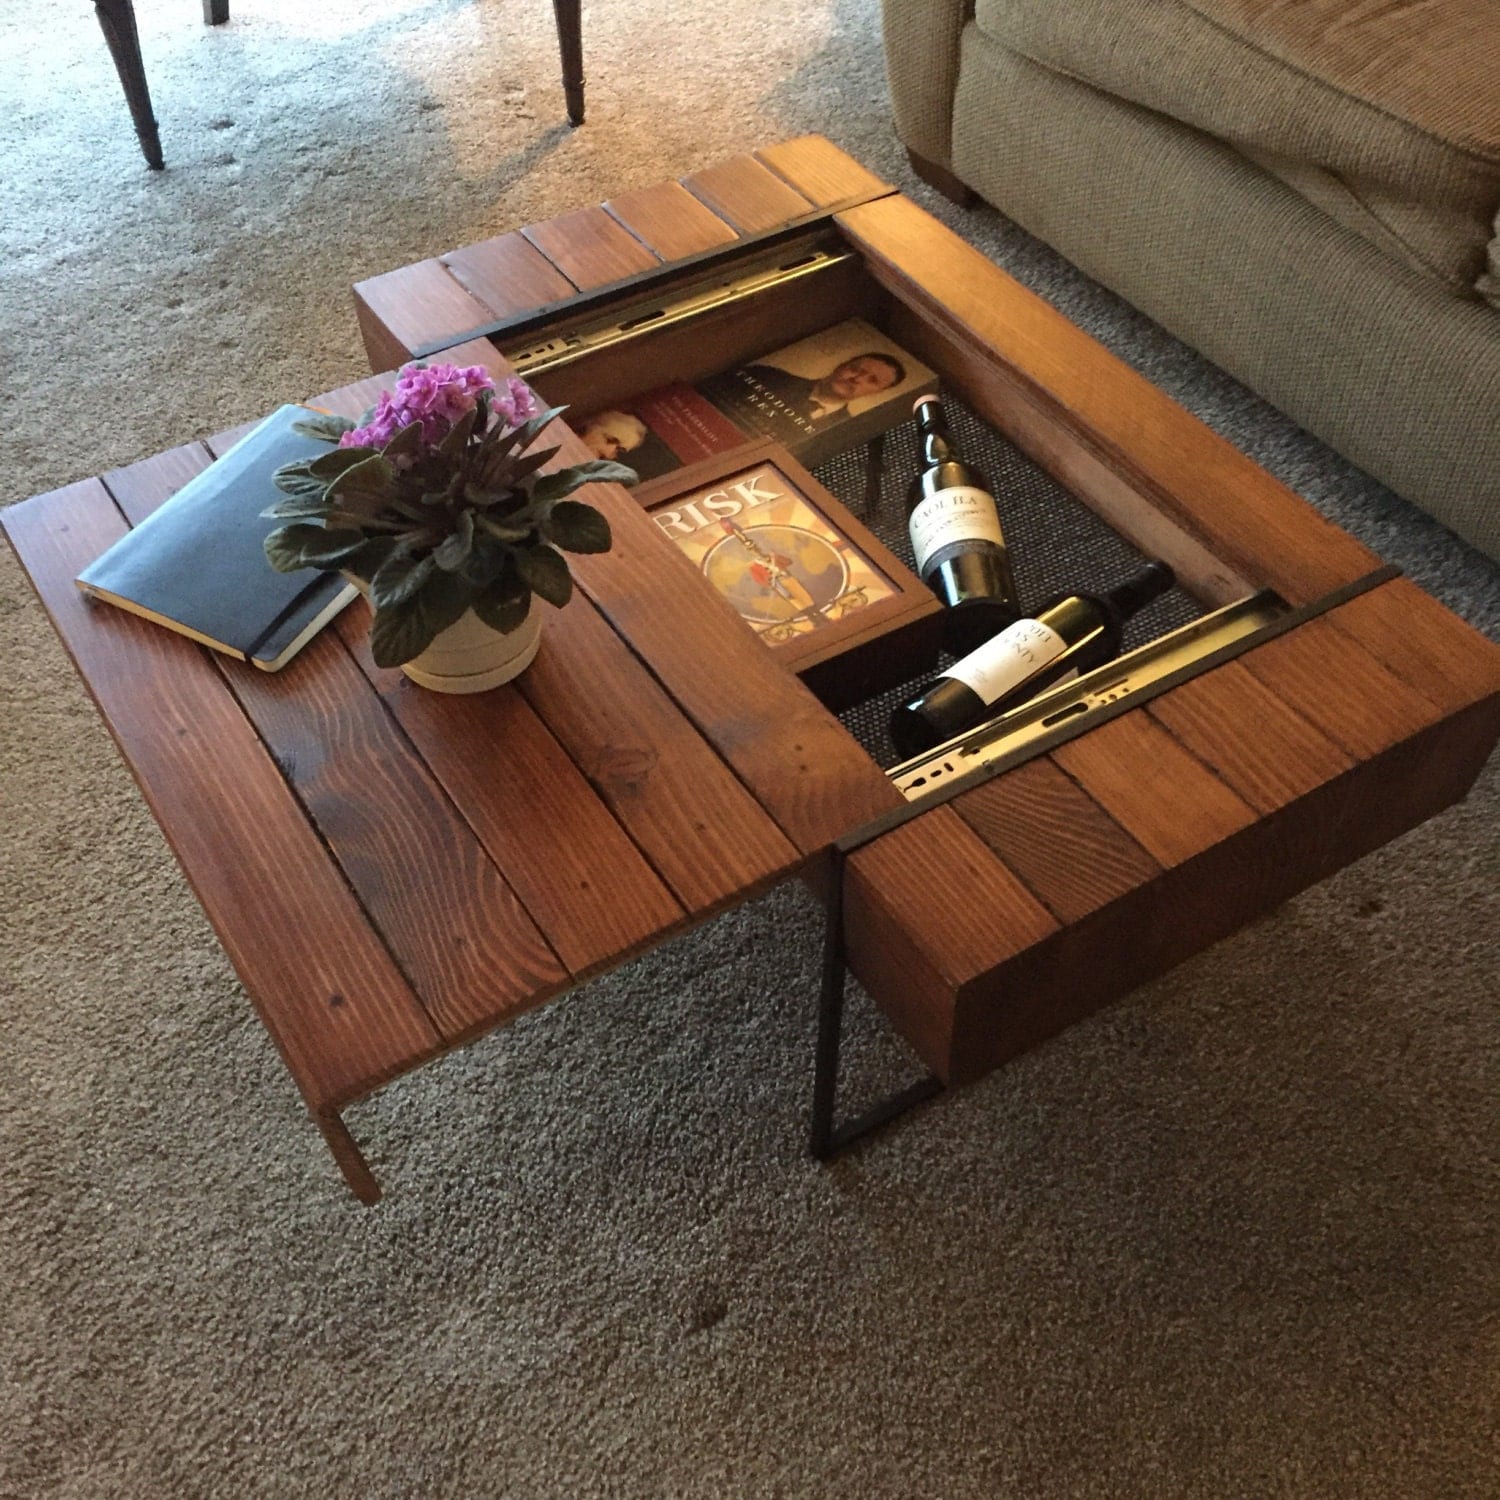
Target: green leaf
<point x="524" y="467"/>
<point x="292" y="547"/>
<point x="519" y="526"/>
<point x="296" y="477"/>
<point x="502" y="607"/>
<point x="406" y="444"/>
<point x="576" y="527"/>
<point x="453" y="551"/>
<point x="443" y="600"/>
<point x="331" y="465"/>
<point x="368" y="559"/>
<point x="534" y="428"/>
<point x="371" y="477"/>
<point x="456" y="439"/>
<point x="546" y="571"/>
<point x="400" y="576"/>
<point x="300" y="505"/>
<point x="323" y="424"/>
<point x="597" y="469"/>
<point x="398" y="633"/>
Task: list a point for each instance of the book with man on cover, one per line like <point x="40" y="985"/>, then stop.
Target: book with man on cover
<point x="824" y="393"/>
<point x="197" y="564"/>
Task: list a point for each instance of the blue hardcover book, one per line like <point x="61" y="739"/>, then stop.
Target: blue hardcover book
<point x="197" y="564"/>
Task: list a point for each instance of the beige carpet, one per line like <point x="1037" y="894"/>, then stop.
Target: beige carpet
<point x="1234" y="1237"/>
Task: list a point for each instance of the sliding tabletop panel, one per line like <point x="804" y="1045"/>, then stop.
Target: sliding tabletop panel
<point x="327" y="988"/>
<point x="448" y="298"/>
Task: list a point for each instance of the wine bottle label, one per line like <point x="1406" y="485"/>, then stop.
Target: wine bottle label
<point x="1001" y="665"/>
<point x="960" y="514"/>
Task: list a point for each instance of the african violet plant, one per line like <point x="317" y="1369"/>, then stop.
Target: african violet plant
<point x="436" y="502"/>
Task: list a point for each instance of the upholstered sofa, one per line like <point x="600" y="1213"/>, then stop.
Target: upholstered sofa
<point x="1305" y="190"/>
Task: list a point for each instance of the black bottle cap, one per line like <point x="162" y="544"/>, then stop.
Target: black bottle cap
<point x="1136" y="593"/>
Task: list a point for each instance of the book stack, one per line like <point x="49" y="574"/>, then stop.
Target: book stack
<point x="816" y="397"/>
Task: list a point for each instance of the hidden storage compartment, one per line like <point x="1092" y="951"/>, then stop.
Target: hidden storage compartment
<point x="1074" y="521"/>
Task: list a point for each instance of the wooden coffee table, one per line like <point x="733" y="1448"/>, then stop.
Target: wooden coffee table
<point x="394" y="873"/>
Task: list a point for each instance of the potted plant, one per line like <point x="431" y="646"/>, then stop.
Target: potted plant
<point x="435" y="504"/>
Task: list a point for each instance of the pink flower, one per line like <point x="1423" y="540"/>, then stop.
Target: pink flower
<point x="437" y="396"/>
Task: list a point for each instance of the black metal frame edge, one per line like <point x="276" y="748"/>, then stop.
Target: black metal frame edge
<point x="534" y="320"/>
<point x="826" y="1138"/>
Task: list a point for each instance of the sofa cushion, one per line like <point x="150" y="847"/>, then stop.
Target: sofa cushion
<point x="1383" y="113"/>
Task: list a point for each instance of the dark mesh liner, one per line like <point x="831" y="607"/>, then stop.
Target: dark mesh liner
<point x="1057" y="544"/>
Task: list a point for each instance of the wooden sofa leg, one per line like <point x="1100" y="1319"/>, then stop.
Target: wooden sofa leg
<point x="935" y="175"/>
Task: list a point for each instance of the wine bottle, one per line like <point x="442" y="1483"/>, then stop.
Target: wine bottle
<point x="1024" y="658"/>
<point x="956" y="536"/>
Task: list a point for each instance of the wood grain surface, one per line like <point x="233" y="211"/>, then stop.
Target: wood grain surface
<point x="583" y="882"/>
<point x="414" y="305"/>
<point x="1428" y="647"/>
<point x="670" y="220"/>
<point x="1158" y="791"/>
<point x="926" y="907"/>
<point x="508" y="274"/>
<point x="747" y="195"/>
<point x="590" y="248"/>
<point x="325" y="986"/>
<point x="1066" y="849"/>
<point x="1255" y="743"/>
<point x="453" y="925"/>
<point x="1335" y="684"/>
<point x="820" y="172"/>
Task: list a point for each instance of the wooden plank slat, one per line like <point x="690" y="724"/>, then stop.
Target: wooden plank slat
<point x="1059" y="981"/>
<point x="582" y="880"/>
<point x="1070" y="853"/>
<point x="329" y="993"/>
<point x="1260" y="747"/>
<point x="747" y="195"/>
<point x="1257" y="526"/>
<point x="590" y="248"/>
<point x="1163" y="796"/>
<point x="670" y="220"/>
<point x="822" y="173"/>
<point x="452" y="923"/>
<point x="454" y="926"/>
<point x="414" y="305"/>
<point x="1334" y="683"/>
<point x="1428" y="647"/>
<point x="925" y="908"/>
<point x="623" y="735"/>
<point x="140" y="487"/>
<point x="705" y="834"/>
<point x="508" y="274"/>
<point x="798" y="761"/>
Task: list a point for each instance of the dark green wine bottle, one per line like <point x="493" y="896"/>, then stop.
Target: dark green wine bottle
<point x="1024" y="658"/>
<point x="956" y="536"/>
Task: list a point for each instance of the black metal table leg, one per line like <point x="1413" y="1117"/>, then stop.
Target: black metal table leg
<point x="117" y="22"/>
<point x="570" y="44"/>
<point x="827" y="1139"/>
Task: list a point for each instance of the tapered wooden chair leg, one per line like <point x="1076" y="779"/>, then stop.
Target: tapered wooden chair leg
<point x="117" y="22"/>
<point x="570" y="44"/>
